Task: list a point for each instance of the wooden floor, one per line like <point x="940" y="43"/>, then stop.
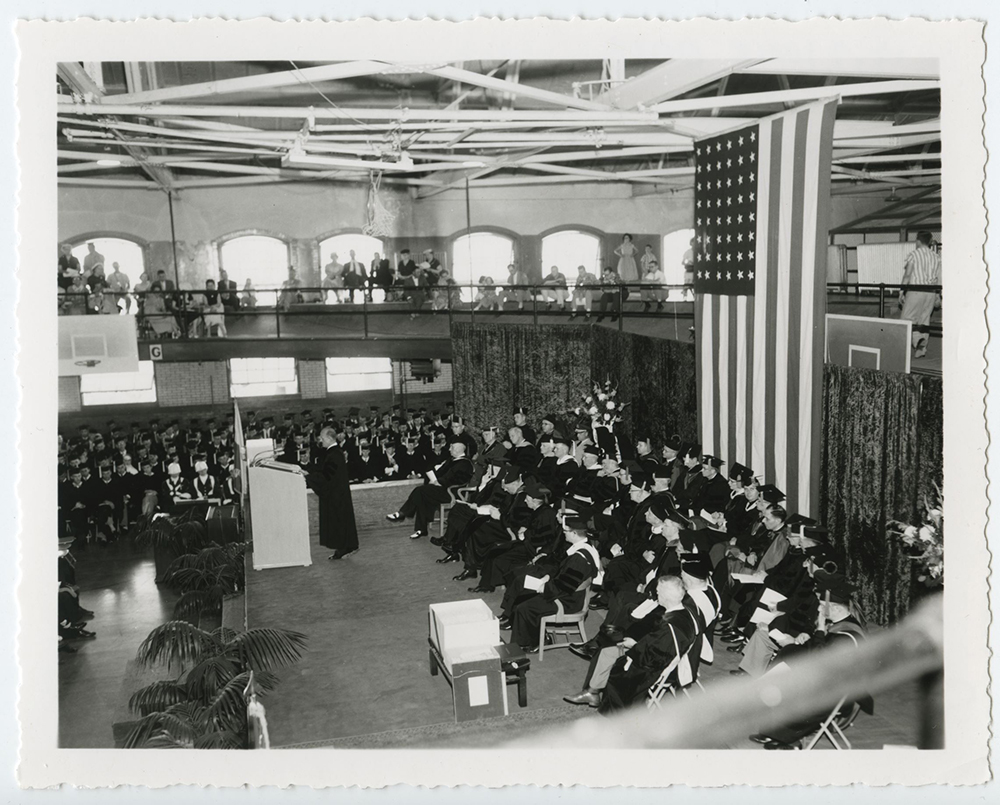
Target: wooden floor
<point x="364" y="681"/>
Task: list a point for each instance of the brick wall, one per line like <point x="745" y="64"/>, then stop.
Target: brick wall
<point x="69" y="394"/>
<point x="312" y="379"/>
<point x="191" y="382"/>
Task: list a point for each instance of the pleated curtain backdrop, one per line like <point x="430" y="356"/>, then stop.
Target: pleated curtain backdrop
<point x="497" y="367"/>
<point x="655" y="376"/>
<point x="883" y="441"/>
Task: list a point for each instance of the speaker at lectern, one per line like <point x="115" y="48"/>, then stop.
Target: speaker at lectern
<point x="279" y="517"/>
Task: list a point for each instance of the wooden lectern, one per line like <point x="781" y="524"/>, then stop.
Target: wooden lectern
<point x="279" y="518"/>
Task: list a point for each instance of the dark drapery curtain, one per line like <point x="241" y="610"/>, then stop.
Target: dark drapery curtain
<point x="882" y="453"/>
<point x="656" y="376"/>
<point x="499" y="366"/>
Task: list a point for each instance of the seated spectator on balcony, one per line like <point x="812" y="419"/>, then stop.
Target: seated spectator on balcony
<point x="653" y="292"/>
<point x="406" y="274"/>
<point x="583" y="293"/>
<point x="141" y="288"/>
<point x="249" y="298"/>
<point x="157" y="314"/>
<point x="555" y="288"/>
<point x="69" y="266"/>
<point x="515" y="289"/>
<point x="355" y="277"/>
<point x="446" y="294"/>
<point x="106" y="302"/>
<point x="382" y="276"/>
<point x="96" y="281"/>
<point x="212" y="311"/>
<point x="612" y="293"/>
<point x="227" y="291"/>
<point x="291" y="291"/>
<point x="333" y="280"/>
<point x="76" y="298"/>
<point x="486" y="296"/>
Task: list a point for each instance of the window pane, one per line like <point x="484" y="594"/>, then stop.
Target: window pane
<point x="261" y="259"/>
<point x="358" y="374"/>
<point x="570" y="249"/>
<point x="262" y="377"/>
<point x="480" y="254"/>
<point x="672" y="262"/>
<point x="128" y="255"/>
<point x="119" y="388"/>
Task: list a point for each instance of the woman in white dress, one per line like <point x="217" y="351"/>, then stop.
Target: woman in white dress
<point x="626" y="260"/>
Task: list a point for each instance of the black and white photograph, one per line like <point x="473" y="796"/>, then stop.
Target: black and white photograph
<point x="549" y="389"/>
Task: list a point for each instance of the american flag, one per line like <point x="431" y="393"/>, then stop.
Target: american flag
<point x="762" y="195"/>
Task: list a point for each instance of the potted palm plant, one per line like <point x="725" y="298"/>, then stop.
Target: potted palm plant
<point x="170" y="536"/>
<point x="206" y="578"/>
<point x="204" y="707"/>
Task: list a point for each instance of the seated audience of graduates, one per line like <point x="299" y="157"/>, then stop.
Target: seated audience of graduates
<point x="676" y="548"/>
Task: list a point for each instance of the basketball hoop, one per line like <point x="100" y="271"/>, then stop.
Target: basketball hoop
<point x="90" y="364"/>
<point x="380" y="217"/>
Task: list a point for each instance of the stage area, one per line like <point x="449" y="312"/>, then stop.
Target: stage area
<point x="364" y="681"/>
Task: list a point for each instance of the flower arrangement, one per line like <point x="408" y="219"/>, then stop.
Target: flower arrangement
<point x="925" y="542"/>
<point x="602" y="405"/>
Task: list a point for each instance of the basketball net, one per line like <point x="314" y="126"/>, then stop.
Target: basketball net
<point x="380" y="217"/>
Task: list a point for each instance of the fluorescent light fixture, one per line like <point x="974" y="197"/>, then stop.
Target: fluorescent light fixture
<point x="111" y="163"/>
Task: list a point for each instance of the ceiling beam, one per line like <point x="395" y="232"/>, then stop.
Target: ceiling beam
<point x="851" y="67"/>
<point x="593" y="111"/>
<point x="874" y="215"/>
<point x="668" y="80"/>
<point x="134" y="184"/>
<point x="228" y="86"/>
<point x="520" y="90"/>
<point x="498" y="164"/>
<point x="77" y="78"/>
<point x="797" y="95"/>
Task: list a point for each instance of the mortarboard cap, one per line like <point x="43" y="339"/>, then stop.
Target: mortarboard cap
<point x="593" y="450"/>
<point x="200" y="465"/>
<point x="536" y="490"/>
<point x="712" y="461"/>
<point x="741" y="473"/>
<point x="521" y="410"/>
<point x="659" y="471"/>
<point x="675" y="442"/>
<point x="563" y="440"/>
<point x="697" y="565"/>
<point x="576" y="524"/>
<point x="174" y="469"/>
<point x="771" y="493"/>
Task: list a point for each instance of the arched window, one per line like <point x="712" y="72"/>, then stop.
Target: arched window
<point x="260" y="258"/>
<point x="363" y="246"/>
<point x="570" y="249"/>
<point x="108" y="251"/>
<point x="480" y="254"/>
<point x="675" y="245"/>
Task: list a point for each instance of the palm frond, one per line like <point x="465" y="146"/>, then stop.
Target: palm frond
<point x="221" y="739"/>
<point x="264" y="649"/>
<point x="224" y="634"/>
<point x="197" y="602"/>
<point x="176" y="641"/>
<point x="157" y="697"/>
<point x="229" y="705"/>
<point x="166" y="730"/>
<point x="210" y="675"/>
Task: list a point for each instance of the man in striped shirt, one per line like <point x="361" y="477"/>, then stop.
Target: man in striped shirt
<point x="923" y="267"/>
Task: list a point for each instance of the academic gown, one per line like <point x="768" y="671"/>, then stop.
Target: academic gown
<point x="329" y="480"/>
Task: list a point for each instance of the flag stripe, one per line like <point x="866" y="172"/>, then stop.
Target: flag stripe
<point x="760" y="341"/>
<point x="750" y="414"/>
<point x="735" y="378"/>
<point x="772" y="217"/>
<point x="795" y="313"/>
<point x="823" y="160"/>
<point x="713" y="446"/>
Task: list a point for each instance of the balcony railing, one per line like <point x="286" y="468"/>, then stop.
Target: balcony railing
<point x="323" y="313"/>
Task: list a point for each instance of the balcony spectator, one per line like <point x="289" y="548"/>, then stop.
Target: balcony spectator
<point x="555" y="288"/>
<point x="141" y="287"/>
<point x="96" y="281"/>
<point x="69" y="267"/>
<point x="291" y="291"/>
<point x="208" y="312"/>
<point x="333" y="280"/>
<point x="382" y="276"/>
<point x="92" y="260"/>
<point x="486" y="297"/>
<point x="227" y="291"/>
<point x="74" y="302"/>
<point x="119" y="284"/>
<point x="157" y="313"/>
<point x="514" y="287"/>
<point x="249" y="298"/>
<point x="355" y="277"/>
<point x="584" y="291"/>
<point x="653" y="291"/>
